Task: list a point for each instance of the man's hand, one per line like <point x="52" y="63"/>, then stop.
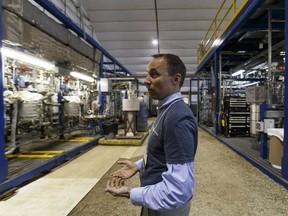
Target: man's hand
<point x="128" y="170"/>
<point x="116" y="188"/>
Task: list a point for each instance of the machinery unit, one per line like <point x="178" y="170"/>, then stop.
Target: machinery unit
<point x="130" y="106"/>
<point x="255" y="95"/>
<point x="238" y="116"/>
<point x="42" y="102"/>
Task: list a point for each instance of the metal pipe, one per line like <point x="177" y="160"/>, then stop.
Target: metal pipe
<point x="122" y="78"/>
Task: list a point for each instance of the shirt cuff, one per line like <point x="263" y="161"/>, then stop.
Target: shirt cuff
<point x="139" y="164"/>
<point x="136" y="196"/>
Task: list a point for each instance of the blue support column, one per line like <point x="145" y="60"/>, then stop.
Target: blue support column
<point x="3" y="160"/>
<point x="137" y="87"/>
<point x="190" y="89"/>
<point x="263" y="136"/>
<point x="285" y="148"/>
<point x="217" y="84"/>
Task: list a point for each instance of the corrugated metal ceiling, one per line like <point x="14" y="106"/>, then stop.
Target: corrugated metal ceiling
<point x="126" y="29"/>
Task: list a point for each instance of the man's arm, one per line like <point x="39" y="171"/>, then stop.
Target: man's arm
<point x="175" y="190"/>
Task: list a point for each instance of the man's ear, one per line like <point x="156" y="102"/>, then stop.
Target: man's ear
<point x="177" y="78"/>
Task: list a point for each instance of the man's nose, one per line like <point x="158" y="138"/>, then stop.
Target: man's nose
<point x="147" y="82"/>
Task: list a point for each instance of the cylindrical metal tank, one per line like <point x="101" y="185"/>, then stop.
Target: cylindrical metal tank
<point x="72" y="109"/>
<point x="130" y="106"/>
<point x="254" y="118"/>
<point x="29" y="110"/>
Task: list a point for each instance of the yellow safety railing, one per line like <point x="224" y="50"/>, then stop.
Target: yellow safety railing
<point x="214" y="31"/>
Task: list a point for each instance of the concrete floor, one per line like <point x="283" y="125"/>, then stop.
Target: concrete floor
<point x="225" y="184"/>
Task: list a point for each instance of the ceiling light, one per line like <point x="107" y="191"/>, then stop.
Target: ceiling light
<point x="241" y="51"/>
<point x="82" y="76"/>
<point x="24" y="57"/>
<point x="249" y="84"/>
<point x="238" y="73"/>
<point x="155" y="42"/>
<point x="261" y="45"/>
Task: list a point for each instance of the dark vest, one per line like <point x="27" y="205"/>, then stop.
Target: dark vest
<point x="173" y="139"/>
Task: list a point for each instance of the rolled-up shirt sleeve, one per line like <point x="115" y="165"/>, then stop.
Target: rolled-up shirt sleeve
<point x="173" y="191"/>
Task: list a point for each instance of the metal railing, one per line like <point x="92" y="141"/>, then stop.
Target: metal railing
<point x="214" y="32"/>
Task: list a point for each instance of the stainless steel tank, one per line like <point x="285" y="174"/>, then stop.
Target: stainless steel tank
<point x="72" y="109"/>
<point x="29" y="110"/>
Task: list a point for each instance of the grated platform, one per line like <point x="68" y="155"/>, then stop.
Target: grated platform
<point x="122" y="140"/>
<point x="38" y="154"/>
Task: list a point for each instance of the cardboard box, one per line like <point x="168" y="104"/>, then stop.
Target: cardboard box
<point x="275" y="152"/>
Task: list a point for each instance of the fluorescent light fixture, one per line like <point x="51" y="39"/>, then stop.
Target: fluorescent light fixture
<point x="251" y="72"/>
<point x="249" y="84"/>
<point x="238" y="73"/>
<point x="82" y="76"/>
<point x="24" y="57"/>
<point x="155" y="42"/>
<point x="216" y="42"/>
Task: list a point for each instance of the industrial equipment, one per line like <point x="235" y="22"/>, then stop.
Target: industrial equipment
<point x="238" y="116"/>
<point x="42" y="102"/>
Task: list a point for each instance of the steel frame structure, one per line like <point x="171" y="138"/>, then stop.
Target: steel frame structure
<point x="213" y="56"/>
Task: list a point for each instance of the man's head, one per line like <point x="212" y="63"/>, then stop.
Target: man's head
<point x="166" y="74"/>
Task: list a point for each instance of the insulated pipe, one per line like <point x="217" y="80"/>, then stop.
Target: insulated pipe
<point x="254" y="118"/>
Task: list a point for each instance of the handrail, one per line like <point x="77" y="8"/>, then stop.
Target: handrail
<point x="206" y="44"/>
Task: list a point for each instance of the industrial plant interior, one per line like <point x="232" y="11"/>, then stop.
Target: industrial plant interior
<point x="73" y="84"/>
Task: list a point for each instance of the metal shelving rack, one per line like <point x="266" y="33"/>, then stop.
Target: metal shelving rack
<point x="238" y="116"/>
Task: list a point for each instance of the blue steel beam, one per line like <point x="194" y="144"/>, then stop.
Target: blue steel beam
<point x="51" y="8"/>
<point x="285" y="147"/>
<point x="190" y="90"/>
<point x="263" y="136"/>
<point x="243" y="16"/>
<point x="3" y="160"/>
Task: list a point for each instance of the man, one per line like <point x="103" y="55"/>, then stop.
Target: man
<point x="167" y="168"/>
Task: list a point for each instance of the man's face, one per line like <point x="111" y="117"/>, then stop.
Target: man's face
<point x="158" y="82"/>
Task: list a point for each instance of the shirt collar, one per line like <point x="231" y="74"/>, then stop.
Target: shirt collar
<point x="169" y="99"/>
